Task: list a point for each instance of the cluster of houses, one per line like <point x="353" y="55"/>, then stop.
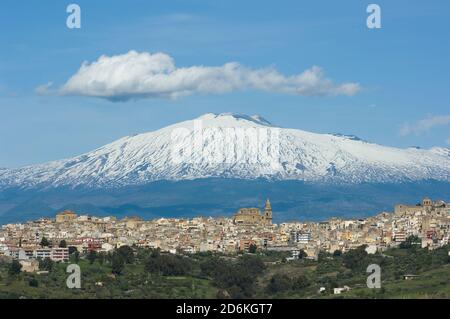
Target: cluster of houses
<point x="249" y="228"/>
<point x="428" y="220"/>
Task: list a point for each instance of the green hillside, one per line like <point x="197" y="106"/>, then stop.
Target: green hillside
<point x="145" y="273"/>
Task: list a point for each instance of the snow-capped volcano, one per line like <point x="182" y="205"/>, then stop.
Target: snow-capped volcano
<point x="234" y="146"/>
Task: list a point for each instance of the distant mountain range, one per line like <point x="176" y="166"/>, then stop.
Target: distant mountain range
<point x="227" y="160"/>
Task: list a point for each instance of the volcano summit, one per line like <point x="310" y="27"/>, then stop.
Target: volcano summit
<point x="234" y="146"/>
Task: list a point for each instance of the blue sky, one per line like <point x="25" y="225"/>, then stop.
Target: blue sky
<point x="402" y="68"/>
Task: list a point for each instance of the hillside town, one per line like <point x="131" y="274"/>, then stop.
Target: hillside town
<point x="249" y="229"/>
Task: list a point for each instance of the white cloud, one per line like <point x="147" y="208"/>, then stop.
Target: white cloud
<point x="144" y="75"/>
<point x="44" y="89"/>
<point x="424" y="124"/>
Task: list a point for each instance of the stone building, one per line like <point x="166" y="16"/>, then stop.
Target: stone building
<point x="65" y="216"/>
<point x="253" y="216"/>
<point x="31" y="265"/>
<point x="425" y="207"/>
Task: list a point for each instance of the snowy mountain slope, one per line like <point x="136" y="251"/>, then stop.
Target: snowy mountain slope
<point x="234" y="146"/>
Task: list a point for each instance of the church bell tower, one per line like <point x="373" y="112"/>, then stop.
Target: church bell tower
<point x="268" y="213"/>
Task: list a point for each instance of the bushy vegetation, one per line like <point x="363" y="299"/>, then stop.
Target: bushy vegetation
<point x="131" y="272"/>
<point x="236" y="277"/>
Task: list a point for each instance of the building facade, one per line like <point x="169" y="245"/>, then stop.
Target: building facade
<point x="65" y="216"/>
<point x="253" y="216"/>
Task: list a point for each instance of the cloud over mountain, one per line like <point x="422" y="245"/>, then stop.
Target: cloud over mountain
<point x="424" y="124"/>
<point x="137" y="75"/>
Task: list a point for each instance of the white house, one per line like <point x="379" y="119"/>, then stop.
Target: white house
<point x="338" y="291"/>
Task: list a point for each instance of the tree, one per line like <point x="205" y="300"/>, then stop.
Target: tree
<point x="76" y="256"/>
<point x="337" y="253"/>
<point x="300" y="282"/>
<point x="279" y="283"/>
<point x="15" y="267"/>
<point x="117" y="264"/>
<point x="168" y="265"/>
<point x="46" y="264"/>
<point x="210" y="266"/>
<point x="410" y="242"/>
<point x="236" y="278"/>
<point x="127" y="254"/>
<point x="354" y="258"/>
<point x="91" y="256"/>
<point x="33" y="282"/>
<point x="101" y="258"/>
<point x="252" y="249"/>
<point x="63" y="244"/>
<point x="72" y="250"/>
<point x="322" y="256"/>
<point x="302" y="254"/>
<point x="45" y="242"/>
<point x="253" y="264"/>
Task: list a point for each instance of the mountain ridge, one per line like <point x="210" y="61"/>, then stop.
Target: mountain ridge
<point x="230" y="145"/>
